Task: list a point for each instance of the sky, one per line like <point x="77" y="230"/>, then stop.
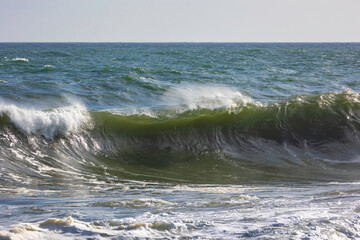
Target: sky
<point x="179" y="20"/>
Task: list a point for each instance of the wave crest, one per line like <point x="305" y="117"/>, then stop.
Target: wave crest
<point x="193" y="97"/>
<point x="18" y="60"/>
<point x="47" y="123"/>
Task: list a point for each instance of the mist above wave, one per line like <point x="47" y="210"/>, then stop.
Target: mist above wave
<point x="190" y="97"/>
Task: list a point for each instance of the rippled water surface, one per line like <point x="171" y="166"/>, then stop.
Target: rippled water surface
<point x="207" y="141"/>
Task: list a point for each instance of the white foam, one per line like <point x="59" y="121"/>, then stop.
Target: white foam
<point x="136" y="203"/>
<point x="49" y="123"/>
<point x="54" y="228"/>
<point x="190" y="97"/>
<point x="209" y="189"/>
<point x="18" y="60"/>
<point x="262" y="212"/>
<point x="48" y="66"/>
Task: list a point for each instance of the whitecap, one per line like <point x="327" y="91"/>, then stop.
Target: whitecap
<point x="18" y="60"/>
<point x="49" y="66"/>
<point x="48" y="123"/>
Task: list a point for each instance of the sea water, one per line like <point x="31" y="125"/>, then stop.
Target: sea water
<point x="179" y="141"/>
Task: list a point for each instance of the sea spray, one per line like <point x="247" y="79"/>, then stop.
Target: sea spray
<point x="197" y="96"/>
<point x="48" y="123"/>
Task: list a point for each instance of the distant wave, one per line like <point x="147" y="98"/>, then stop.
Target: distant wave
<point x="56" y="53"/>
<point x="48" y="68"/>
<point x="17" y="60"/>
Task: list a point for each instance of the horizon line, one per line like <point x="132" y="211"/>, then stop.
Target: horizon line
<point x="178" y="42"/>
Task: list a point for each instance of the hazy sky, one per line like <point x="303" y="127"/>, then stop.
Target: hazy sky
<point x="180" y="20"/>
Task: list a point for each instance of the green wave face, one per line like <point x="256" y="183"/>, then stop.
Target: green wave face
<point x="312" y="137"/>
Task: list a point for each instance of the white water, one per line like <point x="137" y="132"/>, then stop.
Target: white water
<point x="18" y="60"/>
<point x="325" y="211"/>
<point x="49" y="123"/>
<point x="49" y="67"/>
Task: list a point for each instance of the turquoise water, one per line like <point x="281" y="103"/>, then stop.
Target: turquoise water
<point x="185" y="140"/>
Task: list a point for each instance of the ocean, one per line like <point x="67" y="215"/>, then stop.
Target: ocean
<point x="179" y="141"/>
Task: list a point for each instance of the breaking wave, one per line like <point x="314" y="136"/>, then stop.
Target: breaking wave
<point x="60" y="121"/>
<point x="308" y="137"/>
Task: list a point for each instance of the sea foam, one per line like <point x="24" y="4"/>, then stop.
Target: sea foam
<point x="18" y="60"/>
<point x="48" y="123"/>
<point x="49" y="66"/>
